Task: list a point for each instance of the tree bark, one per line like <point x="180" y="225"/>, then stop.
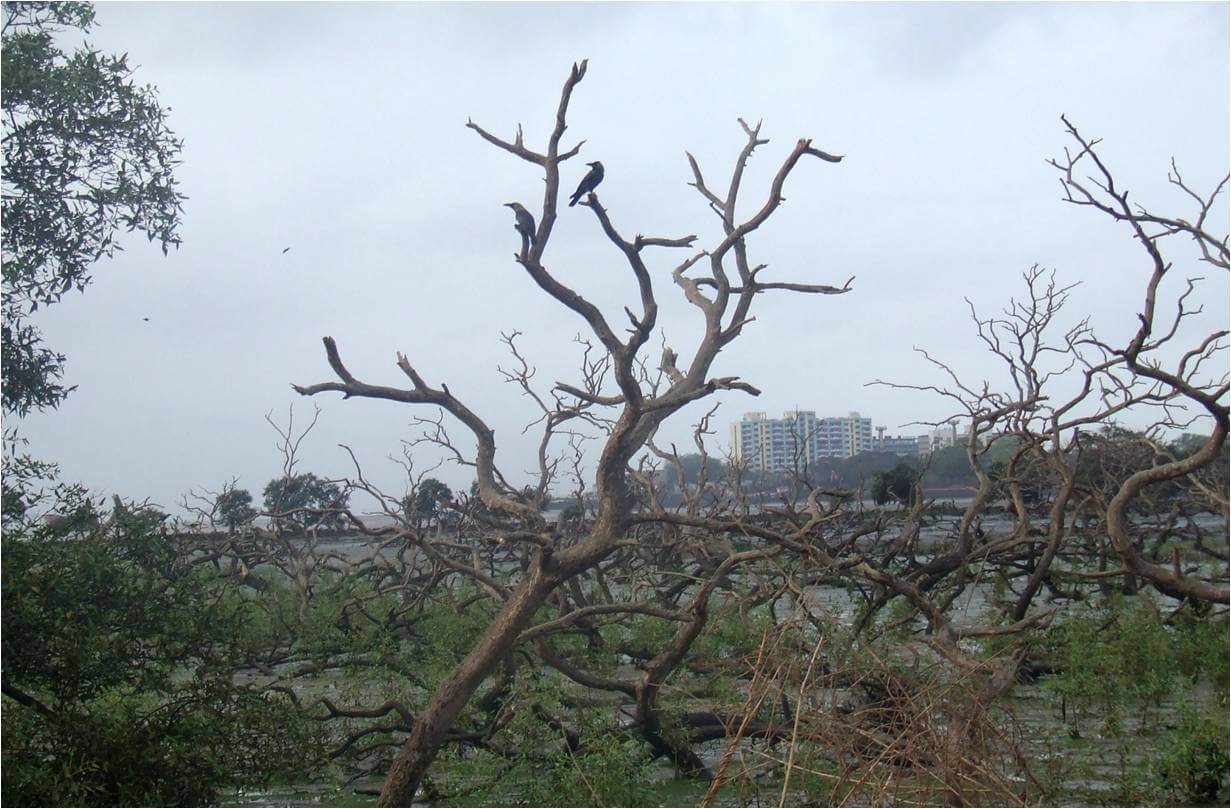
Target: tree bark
<point x="421" y="748"/>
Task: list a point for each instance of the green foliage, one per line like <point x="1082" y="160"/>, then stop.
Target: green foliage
<point x="429" y="503"/>
<point x="277" y="617"/>
<point x="295" y="500"/>
<point x="1187" y="444"/>
<point x="87" y="152"/>
<point x="128" y="750"/>
<point x="949" y="466"/>
<point x="1122" y="660"/>
<point x="1111" y="455"/>
<point x="945" y="467"/>
<point x="534" y="763"/>
<point x="858" y="468"/>
<point x="1202" y="648"/>
<point x="1114" y="452"/>
<point x="894" y="485"/>
<point x="1116" y="659"/>
<point x="610" y="770"/>
<point x="445" y="633"/>
<point x="1192" y="768"/>
<point x="647" y="633"/>
<point x="80" y="611"/>
<point x="690" y="464"/>
<point x="30" y="483"/>
<point x="1000" y="450"/>
<point x="234" y="508"/>
<point x="118" y="673"/>
<point x="732" y="635"/>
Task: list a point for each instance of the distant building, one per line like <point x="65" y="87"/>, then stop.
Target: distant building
<point x="946" y="436"/>
<point x="797" y="439"/>
<point x="902" y="444"/>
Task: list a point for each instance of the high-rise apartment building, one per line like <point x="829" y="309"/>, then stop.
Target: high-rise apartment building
<point x="798" y="438"/>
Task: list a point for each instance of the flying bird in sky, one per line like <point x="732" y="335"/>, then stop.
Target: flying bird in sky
<point x="146" y="319"/>
<point x="589" y="182"/>
<point x="285" y="250"/>
<point x="525" y="222"/>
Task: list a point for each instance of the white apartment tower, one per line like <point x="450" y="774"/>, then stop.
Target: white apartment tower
<point x="797" y="439"/>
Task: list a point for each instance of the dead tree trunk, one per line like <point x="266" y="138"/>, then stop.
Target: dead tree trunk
<point x="434" y="723"/>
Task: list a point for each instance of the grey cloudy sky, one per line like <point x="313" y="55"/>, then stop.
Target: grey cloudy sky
<point x="338" y="130"/>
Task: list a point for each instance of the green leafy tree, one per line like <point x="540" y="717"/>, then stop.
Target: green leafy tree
<point x="87" y="153"/>
<point x="429" y="503"/>
<point x="297" y="501"/>
<point x="858" y="467"/>
<point x="118" y="679"/>
<point x="950" y="466"/>
<point x="234" y="508"/>
<point x="1187" y="444"/>
<point x="894" y="485"/>
<point x="715" y="468"/>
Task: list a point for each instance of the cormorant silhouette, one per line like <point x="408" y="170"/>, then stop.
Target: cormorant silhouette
<point x="525" y="222"/>
<point x="589" y="182"/>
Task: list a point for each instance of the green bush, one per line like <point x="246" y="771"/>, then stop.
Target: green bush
<point x="1115" y="659"/>
<point x="1192" y="767"/>
<point x="118" y="674"/>
<point x="1124" y="659"/>
<point x="531" y="762"/>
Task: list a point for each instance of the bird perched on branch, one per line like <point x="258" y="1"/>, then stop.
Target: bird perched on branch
<point x="525" y="222"/>
<point x="589" y="182"/>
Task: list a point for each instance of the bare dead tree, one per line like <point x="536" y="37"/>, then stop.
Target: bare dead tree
<point x="1065" y="386"/>
<point x="638" y="409"/>
<point x="1144" y="355"/>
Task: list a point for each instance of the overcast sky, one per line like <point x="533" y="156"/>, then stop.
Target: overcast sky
<point x="338" y="130"/>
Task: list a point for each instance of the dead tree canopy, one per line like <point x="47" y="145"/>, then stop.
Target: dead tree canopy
<point x="721" y="282"/>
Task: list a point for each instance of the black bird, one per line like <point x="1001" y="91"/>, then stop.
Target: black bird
<point x="589" y="182"/>
<point x="285" y="250"/>
<point x="525" y="222"/>
<point x="146" y="319"/>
